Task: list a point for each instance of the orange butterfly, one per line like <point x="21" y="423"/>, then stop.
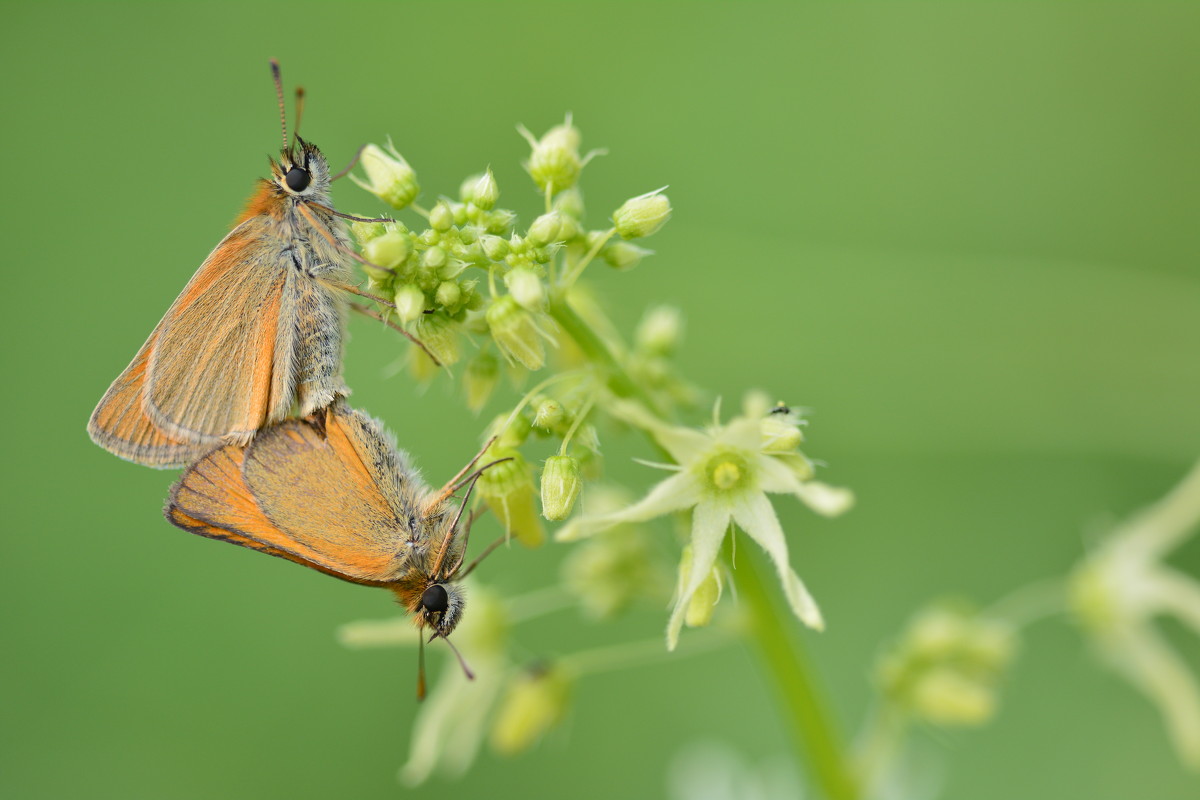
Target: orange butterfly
<point x="333" y="493"/>
<point x="256" y="333"/>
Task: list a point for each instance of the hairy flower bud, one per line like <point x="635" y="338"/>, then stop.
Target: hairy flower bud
<point x="623" y="256"/>
<point x="483" y="373"/>
<point x="554" y="162"/>
<point x="389" y="177"/>
<point x="516" y="332"/>
<point x="441" y="218"/>
<point x="535" y="702"/>
<point x="660" y="331"/>
<point x="545" y="229"/>
<point x="526" y="288"/>
<point x="388" y="250"/>
<point x="642" y="215"/>
<point x="508" y="490"/>
<point x="482" y="191"/>
<point x="440" y="335"/>
<point x="561" y="485"/>
<point x="410" y="303"/>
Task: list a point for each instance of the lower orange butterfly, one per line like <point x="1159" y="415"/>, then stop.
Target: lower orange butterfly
<point x="332" y="492"/>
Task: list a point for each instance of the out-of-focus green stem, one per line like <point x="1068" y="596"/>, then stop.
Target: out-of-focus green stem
<point x="774" y="635"/>
<point x="772" y="631"/>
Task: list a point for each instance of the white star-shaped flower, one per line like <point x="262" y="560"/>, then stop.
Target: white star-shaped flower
<point x="723" y="475"/>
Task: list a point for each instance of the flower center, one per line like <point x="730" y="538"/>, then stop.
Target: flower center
<point x="727" y="471"/>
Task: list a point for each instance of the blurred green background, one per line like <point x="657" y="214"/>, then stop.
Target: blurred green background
<point x="965" y="234"/>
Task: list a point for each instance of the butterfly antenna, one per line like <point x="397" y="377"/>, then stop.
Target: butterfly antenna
<point x="299" y="111"/>
<point x="279" y="96"/>
<point x="462" y="662"/>
<point x="458" y="480"/>
<point x="473" y="477"/>
<point x="420" y="666"/>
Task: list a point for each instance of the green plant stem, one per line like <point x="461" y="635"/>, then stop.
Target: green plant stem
<point x="772" y="630"/>
<point x="773" y="633"/>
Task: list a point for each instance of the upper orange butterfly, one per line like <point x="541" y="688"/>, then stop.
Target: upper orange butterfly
<point x="255" y="336"/>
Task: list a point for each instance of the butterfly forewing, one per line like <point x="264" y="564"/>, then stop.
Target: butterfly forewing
<point x="222" y="365"/>
<point x="303" y="490"/>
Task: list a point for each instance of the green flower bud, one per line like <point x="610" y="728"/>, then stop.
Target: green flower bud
<point x="545" y="229"/>
<point x="434" y="258"/>
<point x="389" y="177"/>
<point x="526" y="288"/>
<point x="441" y="336"/>
<point x="642" y="215"/>
<point x="623" y="256"/>
<point x="946" y="666"/>
<point x="534" y="703"/>
<point x="366" y="231"/>
<point x="547" y="413"/>
<point x="410" y="303"/>
<point x="482" y="191"/>
<point x="561" y="485"/>
<point x="660" y="331"/>
<point x="494" y="247"/>
<point x="610" y="570"/>
<point x="508" y="490"/>
<point x="441" y="218"/>
<point x="448" y="295"/>
<point x="499" y="221"/>
<point x="700" y="608"/>
<point x="569" y="203"/>
<point x="555" y="161"/>
<point x="945" y="697"/>
<point x="483" y="373"/>
<point x="389" y="250"/>
<point x="516" y="333"/>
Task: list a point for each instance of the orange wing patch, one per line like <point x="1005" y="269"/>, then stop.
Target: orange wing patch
<point x="290" y="495"/>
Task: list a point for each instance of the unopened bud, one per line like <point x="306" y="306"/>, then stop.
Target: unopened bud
<point x="508" y="490"/>
<point x="570" y="203"/>
<point x="410" y="303"/>
<point x="482" y="191"/>
<point x="623" y="256"/>
<point x="561" y="485"/>
<point x="389" y="250"/>
<point x="555" y="161"/>
<point x="535" y="702"/>
<point x="642" y="215"/>
<point x="440" y="336"/>
<point x="545" y="229"/>
<point x="526" y="288"/>
<point x="660" y="331"/>
<point x="547" y="413"/>
<point x="389" y="177"/>
<point x="480" y="380"/>
<point x="516" y="332"/>
<point x="441" y="218"/>
<point x="494" y="247"/>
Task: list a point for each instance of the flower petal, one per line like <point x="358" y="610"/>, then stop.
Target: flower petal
<point x="775" y="477"/>
<point x="755" y="515"/>
<point x="684" y="444"/>
<point x="676" y="493"/>
<point x="1154" y="668"/>
<point x="710" y="520"/>
<point x="1176" y="593"/>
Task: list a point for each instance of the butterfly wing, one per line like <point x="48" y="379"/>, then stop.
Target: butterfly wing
<point x="218" y="365"/>
<point x="304" y="492"/>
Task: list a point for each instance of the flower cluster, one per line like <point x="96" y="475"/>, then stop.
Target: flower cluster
<point x="470" y="283"/>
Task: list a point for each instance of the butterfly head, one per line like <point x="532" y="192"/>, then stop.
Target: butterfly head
<point x="441" y="607"/>
<point x="302" y="171"/>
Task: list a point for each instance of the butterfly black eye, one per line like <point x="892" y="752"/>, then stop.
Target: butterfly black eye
<point x="435" y="599"/>
<point x="297" y="179"/>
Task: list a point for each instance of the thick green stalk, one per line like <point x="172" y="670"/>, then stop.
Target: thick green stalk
<point x="772" y="630"/>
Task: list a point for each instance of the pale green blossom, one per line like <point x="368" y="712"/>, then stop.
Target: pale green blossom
<point x="723" y="476"/>
<point x="1124" y="584"/>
